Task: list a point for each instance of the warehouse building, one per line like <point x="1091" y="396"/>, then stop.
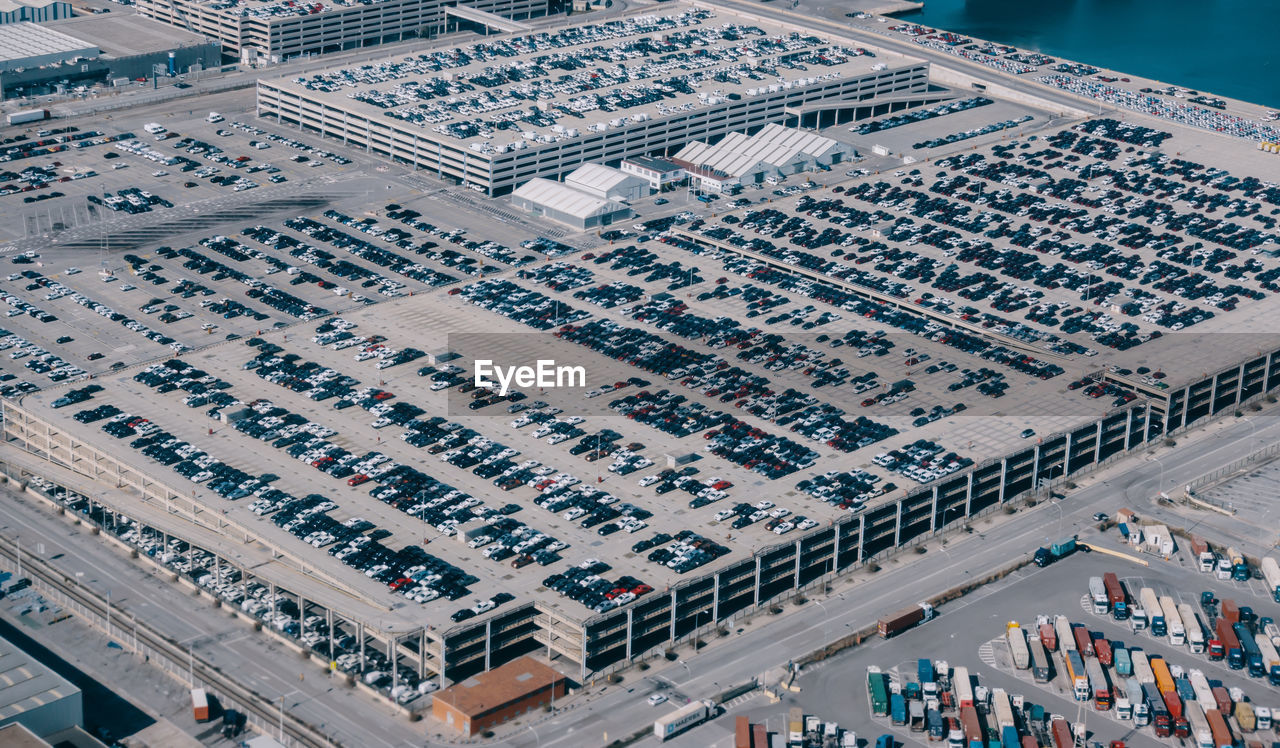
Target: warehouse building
<point x="32" y="694"/>
<point x="265" y="32"/>
<point x="608" y="183"/>
<point x="33" y="11"/>
<point x="484" y="701"/>
<point x="457" y="115"/>
<point x="563" y="203"/>
<point x="775" y="151"/>
<point x="26" y="45"/>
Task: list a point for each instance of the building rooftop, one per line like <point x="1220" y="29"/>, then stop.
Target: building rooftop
<point x="563" y="198"/>
<point x="654" y="163"/>
<point x="502" y="685"/>
<point x="505" y="93"/>
<point x="125" y="34"/>
<point x="26" y="684"/>
<point x="738" y="153"/>
<point x="597" y="178"/>
<point x="9" y="6"/>
<point x="20" y="41"/>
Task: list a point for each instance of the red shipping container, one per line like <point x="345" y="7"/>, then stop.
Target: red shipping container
<point x="1223" y="698"/>
<point x="1230" y="611"/>
<point x="1102" y="648"/>
<point x="1049" y="637"/>
<point x="1173" y="703"/>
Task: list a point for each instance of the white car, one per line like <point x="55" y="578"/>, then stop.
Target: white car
<point x="656" y="699"/>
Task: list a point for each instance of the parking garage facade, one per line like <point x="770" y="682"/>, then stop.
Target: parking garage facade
<point x="500" y="173"/>
<point x="612" y="640"/>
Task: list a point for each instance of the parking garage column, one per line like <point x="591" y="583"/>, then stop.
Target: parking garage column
<point x="933" y="511"/>
<point x="757" y="587"/>
<point x="1004" y="471"/>
<point x="897" y="526"/>
<point x="862" y="537"/>
<point x="796" y="583"/>
<point x="1240" y="383"/>
<point x="422" y="653"/>
<point x="488" y="642"/>
<point x="673" y="606"/>
<point x="329" y="621"/>
<point x="394" y="656"/>
<point x="630" y="617"/>
<point x="715" y="597"/>
<point x="1097" y="444"/>
<point x="1128" y="429"/>
<point x="442" y="661"/>
<point x="360" y="636"/>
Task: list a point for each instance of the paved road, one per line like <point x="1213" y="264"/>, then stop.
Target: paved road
<point x="270" y="669"/>
<point x="620" y="710"/>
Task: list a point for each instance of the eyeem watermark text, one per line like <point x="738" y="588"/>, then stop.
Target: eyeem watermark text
<point x="544" y="374"/>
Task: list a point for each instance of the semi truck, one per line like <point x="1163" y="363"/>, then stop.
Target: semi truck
<point x="1098" y="594"/>
<point x="973" y="735"/>
<point x="1201" y="735"/>
<point x="1062" y="628"/>
<point x="1239" y="568"/>
<point x="1218" y="727"/>
<point x="200" y="704"/>
<point x="1204" y="555"/>
<point x="1063" y="548"/>
<point x="1141" y="667"/>
<point x="1048" y="635"/>
<point x="28" y="115"/>
<point x="1141" y="714"/>
<point x="904" y="619"/>
<point x="1151" y="604"/>
<point x="1200" y="684"/>
<point x="878" y="691"/>
<point x="1172" y="621"/>
<point x="1063" y="737"/>
<point x="1271" y="575"/>
<point x="1194" y="631"/>
<point x="1160" y="721"/>
<point x="1084" y="642"/>
<point x="682" y="719"/>
<point x="1249" y="647"/>
<point x="1102" y="699"/>
<point x="1270" y="658"/>
<point x="1102" y="650"/>
<point x="963" y="687"/>
<point x="1076" y="675"/>
<point x="1040" y="670"/>
<point x="1115" y="596"/>
<point x="1018" y="646"/>
<point x="1002" y="708"/>
<point x="795" y="728"/>
<point x="1124" y="665"/>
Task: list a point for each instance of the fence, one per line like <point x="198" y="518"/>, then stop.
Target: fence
<point x="1261" y="457"/>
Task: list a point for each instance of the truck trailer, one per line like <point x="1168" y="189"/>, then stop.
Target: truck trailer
<point x="1151" y="604"/>
<point x="1194" y="631"/>
<point x="1271" y="575"/>
<point x="1204" y="555"/>
<point x="1017" y="639"/>
<point x="1172" y="621"/>
<point x="1098" y="595"/>
<point x="1270" y="658"/>
<point x="1040" y="670"/>
<point x="904" y="619"/>
<point x="682" y="719"/>
<point x="1115" y="596"/>
<point x="28" y="115"/>
<point x="1063" y="548"/>
<point x="200" y="704"/>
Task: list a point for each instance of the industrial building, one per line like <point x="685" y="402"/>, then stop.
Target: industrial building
<point x="264" y="32"/>
<point x="32" y="694"/>
<point x="488" y="699"/>
<point x="740" y="159"/>
<point x="661" y="173"/>
<point x="606" y="182"/>
<point x="464" y="114"/>
<point x="33" y="11"/>
<point x="98" y="49"/>
<point x="565" y="204"/>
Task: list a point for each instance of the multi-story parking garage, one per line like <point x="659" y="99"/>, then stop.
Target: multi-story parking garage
<point x="491" y="116"/>
<point x="272" y="31"/>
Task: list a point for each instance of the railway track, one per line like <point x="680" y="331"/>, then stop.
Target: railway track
<point x="262" y="711"/>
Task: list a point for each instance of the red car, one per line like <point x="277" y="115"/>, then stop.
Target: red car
<point x="357" y="479"/>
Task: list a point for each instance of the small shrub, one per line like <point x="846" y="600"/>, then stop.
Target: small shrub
<point x="671" y="655"/>
<point x="921" y="550"/>
<point x="615" y="679"/>
<point x="643" y="666"/>
<point x="873" y="568"/>
<point x="801" y="600"/>
<point x="775" y="610"/>
<point x="415" y="717"/>
<point x="722" y="632"/>
<point x="487" y="734"/>
<point x="1170" y="443"/>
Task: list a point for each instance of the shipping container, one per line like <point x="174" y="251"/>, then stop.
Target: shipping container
<point x="1172" y="621"/>
<point x="897" y="709"/>
<point x="1222" y="699"/>
<point x="1270" y="658"/>
<point x="1002" y="708"/>
<point x="1164" y="679"/>
<point x="1201" y="735"/>
<point x="1151" y="604"/>
<point x="1230" y="611"/>
<point x="1205" y="558"/>
<point x="741" y="732"/>
<point x="972" y="726"/>
<point x="924" y="670"/>
<point x="681" y="719"/>
<point x="878" y="691"/>
<point x="1124" y="665"/>
<point x="1098" y="595"/>
<point x="1252" y="655"/>
<point x="1062" y="627"/>
<point x="1018" y="646"/>
<point x="963" y="687"/>
<point x="1218" y="727"/>
<point x="1009" y="738"/>
<point x="200" y="704"/>
<point x="1102" y="650"/>
<point x="1062" y="735"/>
<point x="1141" y="667"/>
<point x="1048" y="636"/>
<point x="904" y="619"/>
<point x="1084" y="642"/>
<point x="1040" y="670"/>
<point x="1076" y="675"/>
<point x="1244" y="716"/>
<point x="1098" y="683"/>
<point x="1230" y="645"/>
<point x="1271" y="575"/>
<point x="1116" y="596"/>
<point x="1195" y="632"/>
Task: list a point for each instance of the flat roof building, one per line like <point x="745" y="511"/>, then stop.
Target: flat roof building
<point x="27" y="45"/>
<point x="660" y="172"/>
<point x="775" y="151"/>
<point x="496" y="696"/>
<point x="500" y="112"/>
<point x="269" y="31"/>
<point x="30" y="693"/>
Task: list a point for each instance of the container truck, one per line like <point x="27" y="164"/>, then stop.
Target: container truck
<point x="1218" y="727"/>
<point x="1062" y="627"/>
<point x="1239" y="567"/>
<point x="1222" y="699"/>
<point x="200" y="704"/>
<point x="1270" y="658"/>
<point x="1223" y="569"/>
<point x="1061" y="549"/>
<point x="1200" y="684"/>
<point x="1160" y="721"/>
<point x="1018" y="646"/>
<point x="924" y="670"/>
<point x="1185" y="691"/>
<point x="1076" y="675"/>
<point x="1141" y="667"/>
<point x="1151" y="604"/>
<point x="897" y="709"/>
<point x="1124" y="665"/>
<point x="1002" y="708"/>
<point x="1098" y="594"/>
<point x="28" y="115"/>
<point x="915" y="716"/>
<point x="1115" y="596"/>
<point x="1063" y="737"/>
<point x="1230" y="645"/>
<point x="963" y="687"/>
<point x="1102" y="699"/>
<point x="936" y="726"/>
<point x="904" y="619"/>
<point x="741" y="732"/>
<point x="972" y="727"/>
<point x="1203" y="554"/>
<point x="1271" y="575"/>
<point x="1194" y="631"/>
<point x="878" y="691"/>
<point x="1084" y="642"/>
<point x="1230" y="611"/>
<point x="1201" y="735"/>
<point x="1029" y="742"/>
<point x="1102" y="650"/>
<point x="1245" y="717"/>
<point x="1173" y="622"/>
<point x="1263" y="715"/>
<point x="795" y="727"/>
<point x="1009" y="737"/>
<point x="681" y="719"/>
<point x="1164" y="679"/>
<point x="1124" y="707"/>
<point x="1141" y="714"/>
<point x="1048" y="636"/>
<point x="1252" y="655"/>
<point x="1040" y="670"/>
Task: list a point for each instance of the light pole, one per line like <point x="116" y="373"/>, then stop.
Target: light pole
<point x="1160" y="482"/>
<point x="825" y="615"/>
<point x="281" y="717"/>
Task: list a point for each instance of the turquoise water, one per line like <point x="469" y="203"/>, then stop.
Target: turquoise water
<point x="1227" y="47"/>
